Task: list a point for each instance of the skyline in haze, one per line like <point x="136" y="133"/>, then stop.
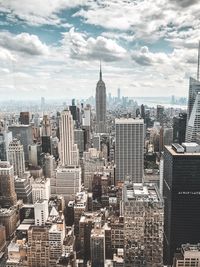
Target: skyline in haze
<point x="52" y="48"/>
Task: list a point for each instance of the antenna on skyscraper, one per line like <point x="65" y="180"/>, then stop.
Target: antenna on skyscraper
<point x="100" y="74"/>
<point x="198" y="62"/>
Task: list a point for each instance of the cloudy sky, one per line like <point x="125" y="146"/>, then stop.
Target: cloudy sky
<point x="52" y="48"/>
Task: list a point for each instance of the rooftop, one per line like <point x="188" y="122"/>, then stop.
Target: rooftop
<point x="129" y="121"/>
<point x="141" y="192"/>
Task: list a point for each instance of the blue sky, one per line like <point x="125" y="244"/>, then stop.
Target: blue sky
<point x="52" y="48"/>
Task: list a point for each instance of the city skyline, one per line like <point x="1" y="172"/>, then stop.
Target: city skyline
<point x="54" y="47"/>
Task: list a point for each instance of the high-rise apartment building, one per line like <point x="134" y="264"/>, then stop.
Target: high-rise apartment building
<point x="142" y="207"/>
<point x="8" y="196"/>
<point x="16" y="157"/>
<point x="101" y="105"/>
<point x="129" y="152"/>
<point x="68" y="150"/>
<point x="181" y="192"/>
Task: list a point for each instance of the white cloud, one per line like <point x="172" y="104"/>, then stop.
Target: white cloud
<point x="6" y="55"/>
<point x="23" y="42"/>
<point x="38" y="12"/>
<point x="89" y="48"/>
<point x="146" y="19"/>
<point x="146" y="58"/>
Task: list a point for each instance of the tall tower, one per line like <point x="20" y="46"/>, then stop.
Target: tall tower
<point x="68" y="150"/>
<point x="8" y="196"/>
<point x="101" y="104"/>
<point x="193" y="124"/>
<point x="16" y="157"/>
<point x="129" y="152"/>
<point x="181" y="192"/>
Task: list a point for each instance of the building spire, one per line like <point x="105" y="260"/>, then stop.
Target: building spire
<point x="100" y="73"/>
<point x="198" y="62"/>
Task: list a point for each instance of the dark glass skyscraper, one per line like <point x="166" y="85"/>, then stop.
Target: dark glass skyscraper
<point x="179" y="128"/>
<point x="181" y="191"/>
<point x="101" y="104"/>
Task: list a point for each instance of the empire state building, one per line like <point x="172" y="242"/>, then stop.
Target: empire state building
<point x="101" y="104"/>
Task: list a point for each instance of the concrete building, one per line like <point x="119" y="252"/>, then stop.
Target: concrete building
<point x="5" y="139"/>
<point x="2" y="238"/>
<point x="67" y="182"/>
<point x="41" y="189"/>
<point x="8" y="218"/>
<point x="129" y="149"/>
<point x="49" y="166"/>
<point x="142" y="207"/>
<point x="8" y="196"/>
<point x="38" y="252"/>
<point x="96" y="142"/>
<point x="101" y="105"/>
<point x="189" y="256"/>
<point x="16" y="157"/>
<point x="181" y="189"/>
<point x="68" y="150"/>
<point x="23" y="189"/>
<point x="41" y="212"/>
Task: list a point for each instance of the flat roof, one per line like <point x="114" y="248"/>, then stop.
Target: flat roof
<point x="174" y="153"/>
<point x="129" y="121"/>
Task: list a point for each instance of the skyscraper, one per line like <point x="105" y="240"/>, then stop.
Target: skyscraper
<point x="101" y="104"/>
<point x="24" y="134"/>
<point x="8" y="196"/>
<point x="193" y="125"/>
<point x="181" y="192"/>
<point x="129" y="154"/>
<point x="16" y="157"/>
<point x="68" y="150"/>
<point x="179" y="128"/>
<point x="118" y="93"/>
<point x="193" y="122"/>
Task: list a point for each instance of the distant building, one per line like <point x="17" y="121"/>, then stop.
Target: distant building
<point x="101" y="105"/>
<point x="24" y="118"/>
